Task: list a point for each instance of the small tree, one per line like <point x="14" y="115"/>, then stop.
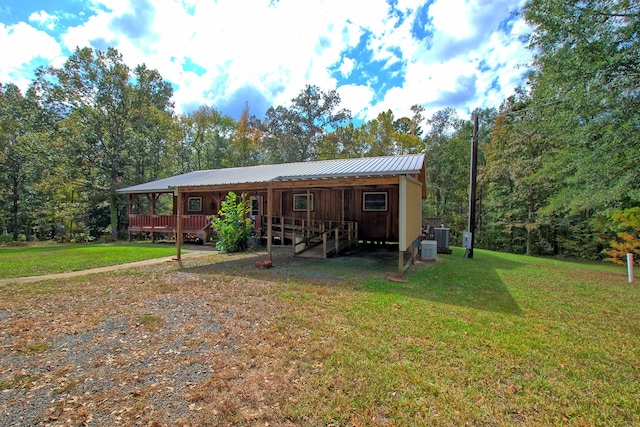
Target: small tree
<point x="232" y="225"/>
<point x="628" y="240"/>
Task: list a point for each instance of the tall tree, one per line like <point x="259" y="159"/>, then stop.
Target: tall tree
<point x="65" y="184"/>
<point x="514" y="185"/>
<point x="296" y="132"/>
<point x="409" y="132"/>
<point x="444" y="157"/>
<point x="110" y="100"/>
<point x="344" y="142"/>
<point x="154" y="126"/>
<point x="17" y="138"/>
<point x="587" y="74"/>
<point x="246" y="141"/>
<point x="376" y="135"/>
<point x="208" y="133"/>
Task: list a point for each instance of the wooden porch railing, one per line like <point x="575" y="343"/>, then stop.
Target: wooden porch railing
<point x="339" y="238"/>
<point x="191" y="222"/>
<point x="284" y="227"/>
<point x="334" y="237"/>
<point x="197" y="225"/>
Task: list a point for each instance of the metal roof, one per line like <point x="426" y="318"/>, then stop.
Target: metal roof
<point x="339" y="168"/>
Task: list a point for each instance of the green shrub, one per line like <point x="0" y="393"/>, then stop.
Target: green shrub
<point x="232" y="225"/>
<point x="6" y="238"/>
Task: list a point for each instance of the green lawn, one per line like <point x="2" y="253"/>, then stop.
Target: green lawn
<point x="494" y="340"/>
<point x="497" y="340"/>
<point x="35" y="260"/>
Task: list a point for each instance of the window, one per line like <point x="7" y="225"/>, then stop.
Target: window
<point x="255" y="207"/>
<point x="300" y="202"/>
<point x="374" y="201"/>
<point x="194" y="204"/>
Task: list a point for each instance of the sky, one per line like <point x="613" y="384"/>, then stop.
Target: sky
<point x="377" y="54"/>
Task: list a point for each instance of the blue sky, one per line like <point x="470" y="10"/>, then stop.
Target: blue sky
<point x="378" y="54"/>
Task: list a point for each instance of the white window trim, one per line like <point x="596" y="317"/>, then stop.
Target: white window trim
<point x="364" y="201"/>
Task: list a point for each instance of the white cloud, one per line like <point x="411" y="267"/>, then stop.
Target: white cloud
<point x="22" y="45"/>
<point x="44" y="19"/>
<point x="356" y="98"/>
<point x="347" y="66"/>
<point x="451" y="18"/>
<point x="279" y="47"/>
<point x="96" y="27"/>
<point x="466" y="35"/>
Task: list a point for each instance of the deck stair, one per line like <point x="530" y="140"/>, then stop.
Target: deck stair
<point x="326" y="241"/>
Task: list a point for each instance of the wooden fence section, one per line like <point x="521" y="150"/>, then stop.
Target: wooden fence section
<point x="429" y="224"/>
<point x="191" y="224"/>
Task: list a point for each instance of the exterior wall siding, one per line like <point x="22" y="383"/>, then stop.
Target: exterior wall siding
<point x="328" y="205"/>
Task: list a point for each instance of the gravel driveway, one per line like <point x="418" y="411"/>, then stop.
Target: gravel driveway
<point x="153" y="346"/>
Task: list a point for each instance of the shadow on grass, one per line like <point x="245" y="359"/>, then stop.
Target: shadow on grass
<point x="453" y="279"/>
<point x="332" y="271"/>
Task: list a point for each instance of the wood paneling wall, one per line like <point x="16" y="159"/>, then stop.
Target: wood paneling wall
<point x="329" y="205"/>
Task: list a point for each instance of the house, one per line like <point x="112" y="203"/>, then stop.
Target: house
<point x="322" y="206"/>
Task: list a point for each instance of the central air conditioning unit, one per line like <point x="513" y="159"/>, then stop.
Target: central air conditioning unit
<point x="442" y="239"/>
<point x="429" y="249"/>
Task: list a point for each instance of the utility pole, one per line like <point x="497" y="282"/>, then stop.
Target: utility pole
<point x="472" y="191"/>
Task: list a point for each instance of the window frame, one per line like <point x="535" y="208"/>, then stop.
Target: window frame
<point x="302" y="196"/>
<point x="255" y="206"/>
<point x="375" y="193"/>
<point x="194" y="204"/>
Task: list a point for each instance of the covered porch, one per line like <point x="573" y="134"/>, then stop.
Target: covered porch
<point x="319" y="209"/>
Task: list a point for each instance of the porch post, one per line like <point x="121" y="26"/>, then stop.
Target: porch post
<point x="178" y="223"/>
<point x="130" y="211"/>
<point x="269" y="219"/>
<point x="154" y="199"/>
<point x="308" y="213"/>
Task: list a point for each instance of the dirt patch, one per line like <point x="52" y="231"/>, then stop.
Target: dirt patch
<point x="202" y="343"/>
<point x="155" y="346"/>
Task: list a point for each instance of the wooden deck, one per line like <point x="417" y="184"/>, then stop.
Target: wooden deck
<point x="311" y="239"/>
<point x="316" y="238"/>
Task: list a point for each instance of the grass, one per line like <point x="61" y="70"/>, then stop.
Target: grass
<point x="35" y="260"/>
<point x="150" y="321"/>
<point x="20" y="381"/>
<point x="497" y="340"/>
<point x="36" y="347"/>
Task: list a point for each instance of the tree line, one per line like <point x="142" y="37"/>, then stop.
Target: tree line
<point x="558" y="167"/>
